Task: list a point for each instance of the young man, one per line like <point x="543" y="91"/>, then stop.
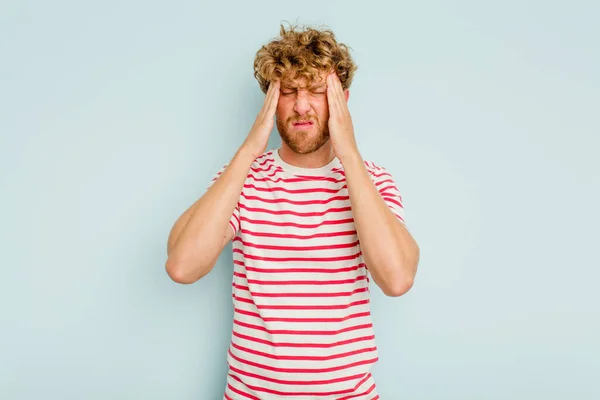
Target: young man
<point x="311" y="223"/>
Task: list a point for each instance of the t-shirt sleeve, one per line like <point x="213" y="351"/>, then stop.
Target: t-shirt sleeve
<point x="386" y="185"/>
<point x="234" y="221"/>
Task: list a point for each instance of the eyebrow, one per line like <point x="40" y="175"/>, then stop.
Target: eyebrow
<point x="314" y="87"/>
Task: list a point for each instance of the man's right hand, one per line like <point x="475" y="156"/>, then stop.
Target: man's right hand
<point x="200" y="233"/>
<point x="258" y="138"/>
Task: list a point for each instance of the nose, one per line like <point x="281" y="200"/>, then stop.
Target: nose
<point x="302" y="105"/>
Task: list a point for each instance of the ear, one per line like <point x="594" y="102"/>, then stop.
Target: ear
<point x="347" y="94"/>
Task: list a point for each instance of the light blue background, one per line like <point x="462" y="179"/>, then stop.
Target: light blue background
<point x="114" y="115"/>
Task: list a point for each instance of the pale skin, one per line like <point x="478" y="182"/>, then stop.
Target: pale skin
<point x="389" y="250"/>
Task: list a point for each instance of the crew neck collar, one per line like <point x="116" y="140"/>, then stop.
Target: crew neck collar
<point x="292" y="169"/>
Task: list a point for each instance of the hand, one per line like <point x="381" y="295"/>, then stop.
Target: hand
<point x="341" y="129"/>
<point x="258" y="138"/>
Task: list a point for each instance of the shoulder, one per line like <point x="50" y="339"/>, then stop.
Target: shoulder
<point x="377" y="171"/>
<point x="266" y="159"/>
<point x="263" y="162"/>
<point x="263" y="166"/>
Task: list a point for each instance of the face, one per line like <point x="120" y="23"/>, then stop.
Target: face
<point x="302" y="114"/>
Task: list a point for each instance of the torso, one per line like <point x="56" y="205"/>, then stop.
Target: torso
<point x="302" y="323"/>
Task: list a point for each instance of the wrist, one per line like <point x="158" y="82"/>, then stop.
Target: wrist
<point x="351" y="158"/>
<point x="252" y="150"/>
<point x="246" y="154"/>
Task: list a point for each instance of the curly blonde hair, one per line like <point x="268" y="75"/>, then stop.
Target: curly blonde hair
<point x="303" y="53"/>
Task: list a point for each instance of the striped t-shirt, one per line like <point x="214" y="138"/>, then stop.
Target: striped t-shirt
<point x="302" y="326"/>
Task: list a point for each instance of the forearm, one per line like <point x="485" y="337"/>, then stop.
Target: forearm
<point x="389" y="250"/>
<point x="198" y="237"/>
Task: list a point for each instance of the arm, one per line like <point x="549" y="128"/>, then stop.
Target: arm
<point x="390" y="252"/>
<point x="193" y="247"/>
<point x="200" y="233"/>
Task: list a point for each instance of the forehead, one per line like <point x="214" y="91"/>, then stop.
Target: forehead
<point x="303" y="82"/>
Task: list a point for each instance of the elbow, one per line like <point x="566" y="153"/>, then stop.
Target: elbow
<point x="398" y="287"/>
<point x="403" y="280"/>
<point x="179" y="273"/>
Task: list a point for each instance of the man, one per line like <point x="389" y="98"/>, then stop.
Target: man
<point x="311" y="225"/>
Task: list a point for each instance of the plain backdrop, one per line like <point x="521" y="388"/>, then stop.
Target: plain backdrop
<point x="114" y="115"/>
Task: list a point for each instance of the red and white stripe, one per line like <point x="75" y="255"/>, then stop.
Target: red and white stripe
<point x="302" y="326"/>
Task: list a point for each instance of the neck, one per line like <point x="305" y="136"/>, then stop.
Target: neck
<point x="316" y="159"/>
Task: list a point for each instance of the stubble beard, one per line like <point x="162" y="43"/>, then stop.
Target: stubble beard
<point x="298" y="142"/>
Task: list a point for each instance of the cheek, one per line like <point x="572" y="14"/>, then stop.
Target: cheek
<point x="282" y="109"/>
<point x="286" y="101"/>
<point x="321" y="108"/>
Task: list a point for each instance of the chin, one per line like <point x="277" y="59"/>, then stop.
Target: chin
<point x="303" y="150"/>
<point x="306" y="146"/>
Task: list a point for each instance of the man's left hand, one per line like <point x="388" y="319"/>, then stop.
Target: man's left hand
<point x="341" y="129"/>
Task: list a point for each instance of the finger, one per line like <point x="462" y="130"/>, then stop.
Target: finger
<point x="338" y="84"/>
<point x="272" y="88"/>
<point x="273" y="98"/>
<point x="270" y="102"/>
<point x="337" y="93"/>
<point x="342" y="96"/>
<point x="332" y="99"/>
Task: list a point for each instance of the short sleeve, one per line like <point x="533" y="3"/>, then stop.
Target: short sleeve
<point x="234" y="221"/>
<point x="386" y="185"/>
